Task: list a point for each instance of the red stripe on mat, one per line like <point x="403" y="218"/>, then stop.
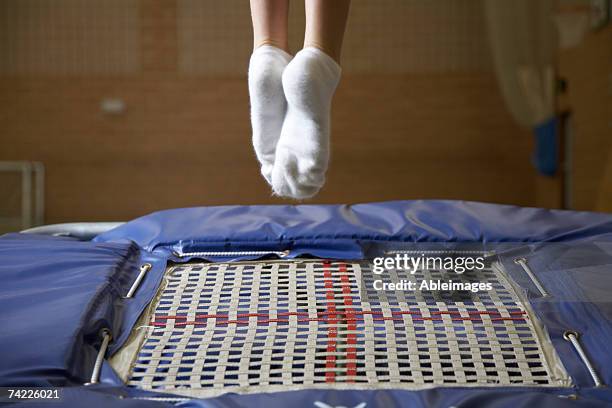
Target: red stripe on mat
<point x="332" y="320"/>
<point x="351" y="326"/>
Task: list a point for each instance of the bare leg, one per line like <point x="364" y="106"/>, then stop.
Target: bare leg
<point x="270" y="23"/>
<point x="325" y="25"/>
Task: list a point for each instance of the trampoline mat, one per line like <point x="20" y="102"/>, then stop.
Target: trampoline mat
<point x="261" y="326"/>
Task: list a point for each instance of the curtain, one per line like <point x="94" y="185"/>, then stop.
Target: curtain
<point x="522" y="38"/>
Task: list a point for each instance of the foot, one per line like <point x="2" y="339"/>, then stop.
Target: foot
<point x="302" y="153"/>
<point x="268" y="105"/>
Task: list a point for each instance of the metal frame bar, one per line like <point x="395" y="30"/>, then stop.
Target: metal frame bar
<point x="80" y="230"/>
<point x="30" y="215"/>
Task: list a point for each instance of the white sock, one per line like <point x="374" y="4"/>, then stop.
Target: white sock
<point x="302" y="153"/>
<point x="268" y="105"/>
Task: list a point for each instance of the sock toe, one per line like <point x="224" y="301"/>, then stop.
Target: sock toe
<point x="266" y="171"/>
<point x="291" y="179"/>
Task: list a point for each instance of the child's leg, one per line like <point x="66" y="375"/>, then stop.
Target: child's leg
<point x="269" y="59"/>
<point x="309" y="83"/>
<point x="325" y="25"/>
<point x="270" y="19"/>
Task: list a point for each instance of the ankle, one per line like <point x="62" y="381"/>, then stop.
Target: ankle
<point x="282" y="45"/>
<point x="329" y="51"/>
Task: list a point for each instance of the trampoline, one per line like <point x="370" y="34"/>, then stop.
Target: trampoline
<point x="276" y="305"/>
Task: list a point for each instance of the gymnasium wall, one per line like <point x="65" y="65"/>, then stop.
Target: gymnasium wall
<point x="417" y="114"/>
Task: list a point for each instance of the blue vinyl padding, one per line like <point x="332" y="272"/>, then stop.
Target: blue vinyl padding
<point x="57" y="293"/>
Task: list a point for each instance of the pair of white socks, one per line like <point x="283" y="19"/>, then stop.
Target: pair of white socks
<point x="290" y="115"/>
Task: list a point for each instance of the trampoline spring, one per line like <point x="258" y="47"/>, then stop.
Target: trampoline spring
<point x="280" y="254"/>
<point x="572" y="336"/>
<point x="171" y="400"/>
<point x="523" y="263"/>
<point x="144" y="268"/>
<point x="95" y="374"/>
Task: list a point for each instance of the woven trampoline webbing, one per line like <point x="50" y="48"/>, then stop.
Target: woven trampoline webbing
<point x="260" y="326"/>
